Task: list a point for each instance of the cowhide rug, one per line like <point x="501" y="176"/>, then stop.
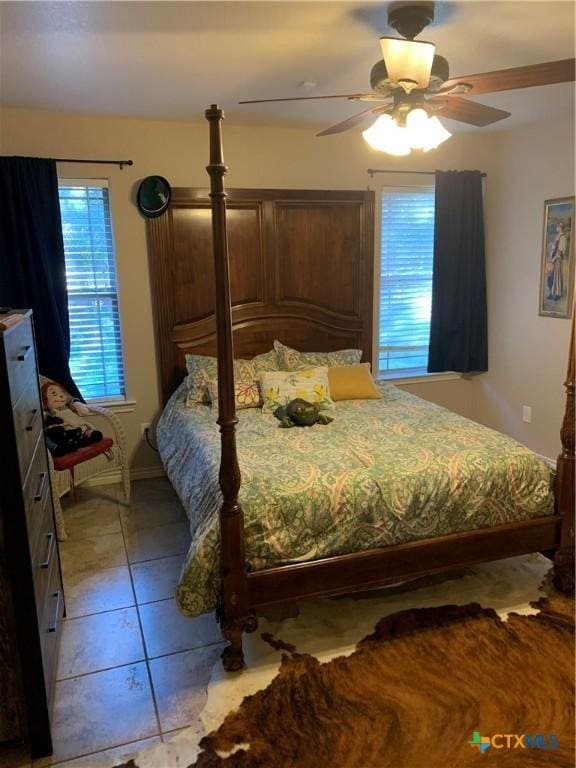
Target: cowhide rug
<point x="426" y="680"/>
<point x="412" y="695"/>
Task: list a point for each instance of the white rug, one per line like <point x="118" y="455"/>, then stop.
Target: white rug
<point x="329" y="628"/>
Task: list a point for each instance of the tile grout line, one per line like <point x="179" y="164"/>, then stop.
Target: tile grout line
<point x="100" y="751"/>
<point x="186" y="650"/>
<point x="135" y="603"/>
<point x="81" y="537"/>
<point x="104" y="669"/>
<point x="144" y="646"/>
<point x="145" y="658"/>
<point x="99" y="613"/>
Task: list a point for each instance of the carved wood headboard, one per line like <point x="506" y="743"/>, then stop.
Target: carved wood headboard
<point x="301" y="271"/>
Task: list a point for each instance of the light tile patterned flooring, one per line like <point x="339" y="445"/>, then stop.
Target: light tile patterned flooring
<point x="132" y="670"/>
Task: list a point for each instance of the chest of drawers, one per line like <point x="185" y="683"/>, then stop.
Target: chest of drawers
<point x="31" y="596"/>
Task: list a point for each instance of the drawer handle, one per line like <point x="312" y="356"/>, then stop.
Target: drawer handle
<point x="54" y="626"/>
<point x="25" y="354"/>
<point x="50" y="549"/>
<point x="41" y="483"/>
<point x="30" y="425"/>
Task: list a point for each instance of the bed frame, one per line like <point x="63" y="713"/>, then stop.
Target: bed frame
<point x="322" y="325"/>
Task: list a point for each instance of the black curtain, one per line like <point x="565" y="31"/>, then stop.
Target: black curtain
<point x="458" y="328"/>
<point x="32" y="266"/>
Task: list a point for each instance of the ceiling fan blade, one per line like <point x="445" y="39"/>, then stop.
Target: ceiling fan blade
<point x="548" y="73"/>
<point x="351" y="122"/>
<point x="468" y="111"/>
<point x="349" y="96"/>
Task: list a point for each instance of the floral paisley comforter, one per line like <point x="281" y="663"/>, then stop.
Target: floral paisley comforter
<point x="383" y="472"/>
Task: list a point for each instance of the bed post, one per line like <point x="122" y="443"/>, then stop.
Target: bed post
<point x="234" y="615"/>
<point x="564" y="486"/>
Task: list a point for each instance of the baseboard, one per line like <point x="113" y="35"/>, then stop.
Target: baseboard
<point x="115" y="475"/>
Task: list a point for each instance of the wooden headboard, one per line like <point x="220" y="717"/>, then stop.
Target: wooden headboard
<point x="301" y="271"/>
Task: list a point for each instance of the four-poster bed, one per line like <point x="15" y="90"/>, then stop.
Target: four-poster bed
<point x="287" y="247"/>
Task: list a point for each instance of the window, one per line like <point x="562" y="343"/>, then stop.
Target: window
<point x="96" y="346"/>
<point x="406" y="280"/>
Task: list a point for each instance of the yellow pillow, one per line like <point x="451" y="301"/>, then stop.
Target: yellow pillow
<point x="352" y="382"/>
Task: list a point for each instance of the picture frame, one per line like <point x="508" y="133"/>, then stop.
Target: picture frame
<point x="557" y="259"/>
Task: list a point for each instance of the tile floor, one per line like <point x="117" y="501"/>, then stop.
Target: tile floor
<point x="134" y="675"/>
<point x="131" y="671"/>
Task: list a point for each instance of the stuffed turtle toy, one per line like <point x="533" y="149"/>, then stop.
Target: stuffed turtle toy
<point x="301" y="413"/>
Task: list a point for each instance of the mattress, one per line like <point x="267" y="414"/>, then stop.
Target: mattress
<point x="383" y="472"/>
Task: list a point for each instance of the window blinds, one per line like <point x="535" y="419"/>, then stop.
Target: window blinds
<point x="96" y="346"/>
<point x="406" y="279"/>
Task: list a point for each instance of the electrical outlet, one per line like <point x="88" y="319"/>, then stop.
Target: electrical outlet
<point x="143" y="428"/>
<point x="527" y="414"/>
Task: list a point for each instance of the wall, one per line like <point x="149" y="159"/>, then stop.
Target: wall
<point x="528" y="353"/>
<point x="274" y="157"/>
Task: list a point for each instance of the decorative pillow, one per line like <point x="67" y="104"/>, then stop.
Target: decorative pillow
<point x="352" y="382"/>
<point x="291" y="360"/>
<point x="279" y="387"/>
<point x="267" y="361"/>
<point x="246" y="394"/>
<point x="203" y="369"/>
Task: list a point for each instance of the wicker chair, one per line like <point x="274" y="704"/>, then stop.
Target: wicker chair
<point x="115" y="458"/>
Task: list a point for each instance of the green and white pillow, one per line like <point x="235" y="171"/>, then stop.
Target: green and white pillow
<point x="203" y="372"/>
<point x="291" y="360"/>
<point x="267" y="361"/>
<point x="280" y="387"/>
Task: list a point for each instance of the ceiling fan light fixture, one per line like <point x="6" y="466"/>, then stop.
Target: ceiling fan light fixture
<point x="385" y="135"/>
<point x="424" y="132"/>
<point x="416" y="126"/>
<point x="419" y="132"/>
<point x="408" y="62"/>
<point x="436" y="134"/>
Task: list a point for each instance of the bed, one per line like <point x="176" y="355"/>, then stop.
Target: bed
<point x="384" y="472"/>
<point x="281" y="243"/>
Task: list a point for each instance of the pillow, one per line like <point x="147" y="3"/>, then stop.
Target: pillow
<point x="246" y="394"/>
<point x="352" y="382"/>
<point x="279" y="387"/>
<point x="291" y="360"/>
<point x="203" y="369"/>
<point x="267" y="361"/>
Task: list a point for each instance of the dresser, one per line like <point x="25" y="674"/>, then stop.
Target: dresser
<point x="31" y="595"/>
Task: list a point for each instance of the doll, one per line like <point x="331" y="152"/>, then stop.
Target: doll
<point x="62" y="410"/>
<point x="59" y="439"/>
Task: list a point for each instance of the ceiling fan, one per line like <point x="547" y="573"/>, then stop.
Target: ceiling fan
<point x="415" y="85"/>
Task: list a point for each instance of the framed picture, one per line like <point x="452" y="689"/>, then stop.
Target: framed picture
<point x="557" y="269"/>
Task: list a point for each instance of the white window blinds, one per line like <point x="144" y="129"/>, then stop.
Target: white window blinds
<point x="406" y="280"/>
<point x="96" y="347"/>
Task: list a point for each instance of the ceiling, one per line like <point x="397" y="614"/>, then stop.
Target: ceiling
<point x="170" y="60"/>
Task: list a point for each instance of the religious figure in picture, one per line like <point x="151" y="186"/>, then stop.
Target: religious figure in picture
<point x="554" y="267"/>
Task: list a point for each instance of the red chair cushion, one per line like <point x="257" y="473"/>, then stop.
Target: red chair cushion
<point x="82" y="454"/>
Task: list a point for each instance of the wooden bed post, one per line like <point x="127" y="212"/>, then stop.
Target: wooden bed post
<point x="234" y="613"/>
<point x="564" y="555"/>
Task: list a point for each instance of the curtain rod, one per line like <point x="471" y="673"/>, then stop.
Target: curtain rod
<point x="372" y="171"/>
<point x="121" y="163"/>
